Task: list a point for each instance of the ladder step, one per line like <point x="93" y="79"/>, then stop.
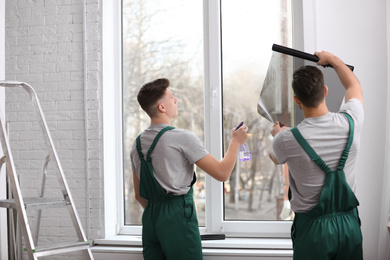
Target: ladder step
<point x="61" y="248"/>
<point x="35" y="203"/>
<point x="21" y="205"/>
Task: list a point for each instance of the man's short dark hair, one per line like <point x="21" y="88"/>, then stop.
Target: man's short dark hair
<point x="308" y="85"/>
<point x="150" y="93"/>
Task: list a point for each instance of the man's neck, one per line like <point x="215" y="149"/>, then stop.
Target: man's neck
<point x="159" y="120"/>
<point x="321" y="110"/>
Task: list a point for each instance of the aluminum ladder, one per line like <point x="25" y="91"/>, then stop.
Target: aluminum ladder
<point x="21" y="205"/>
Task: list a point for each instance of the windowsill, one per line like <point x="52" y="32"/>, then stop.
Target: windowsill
<point x="230" y="242"/>
<point x="130" y="247"/>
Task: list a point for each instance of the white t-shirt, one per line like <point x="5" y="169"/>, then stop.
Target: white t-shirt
<point x="173" y="157"/>
<point x="328" y="136"/>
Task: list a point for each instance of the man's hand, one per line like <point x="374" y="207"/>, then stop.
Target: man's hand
<point x="286" y="210"/>
<point x="277" y="128"/>
<point x="240" y="135"/>
<point x="346" y="76"/>
<point x="326" y="58"/>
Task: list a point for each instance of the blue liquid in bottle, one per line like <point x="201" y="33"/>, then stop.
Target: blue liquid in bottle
<point x="244" y="154"/>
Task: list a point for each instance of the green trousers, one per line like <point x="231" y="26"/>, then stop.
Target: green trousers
<point x="331" y="230"/>
<point x="170" y="227"/>
<point x="335" y="236"/>
<point x="170" y="230"/>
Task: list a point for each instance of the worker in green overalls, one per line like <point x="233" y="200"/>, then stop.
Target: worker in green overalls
<point x="163" y="159"/>
<point x="321" y="154"/>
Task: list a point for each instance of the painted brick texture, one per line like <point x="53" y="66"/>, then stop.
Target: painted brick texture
<point x="55" y="46"/>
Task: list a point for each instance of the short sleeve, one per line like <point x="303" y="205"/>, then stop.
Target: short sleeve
<point x="354" y="108"/>
<point x="132" y="153"/>
<point x="278" y="147"/>
<point x="191" y="146"/>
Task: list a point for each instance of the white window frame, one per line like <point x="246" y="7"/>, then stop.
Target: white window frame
<point x="112" y="113"/>
<point x="112" y="116"/>
<point x="3" y="195"/>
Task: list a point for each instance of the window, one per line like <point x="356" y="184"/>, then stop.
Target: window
<point x="216" y="54"/>
<point x="162" y="39"/>
<point x="249" y="28"/>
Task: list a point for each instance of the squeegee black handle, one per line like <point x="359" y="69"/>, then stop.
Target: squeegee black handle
<point x="299" y="54"/>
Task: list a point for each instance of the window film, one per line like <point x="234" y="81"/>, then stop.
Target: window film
<point x="255" y="189"/>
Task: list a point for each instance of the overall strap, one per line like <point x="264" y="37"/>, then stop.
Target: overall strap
<point x="139" y="148"/>
<point x="156" y="140"/>
<point x="309" y="150"/>
<point x="345" y="153"/>
<point x="314" y="156"/>
<point x="149" y="188"/>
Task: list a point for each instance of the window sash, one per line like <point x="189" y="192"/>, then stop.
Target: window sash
<point x="213" y="127"/>
<point x="114" y="223"/>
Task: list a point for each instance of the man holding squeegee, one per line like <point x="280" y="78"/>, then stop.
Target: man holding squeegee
<point x="321" y="153"/>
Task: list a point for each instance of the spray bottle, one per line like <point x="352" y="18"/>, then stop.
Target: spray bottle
<point x="243" y="152"/>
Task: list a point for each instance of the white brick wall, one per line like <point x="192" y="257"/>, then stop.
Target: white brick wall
<point x="47" y="47"/>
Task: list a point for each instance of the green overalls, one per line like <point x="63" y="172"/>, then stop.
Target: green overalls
<point x="170" y="227"/>
<point x="331" y="230"/>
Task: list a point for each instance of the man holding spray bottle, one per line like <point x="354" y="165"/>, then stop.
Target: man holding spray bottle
<point x="163" y="159"/>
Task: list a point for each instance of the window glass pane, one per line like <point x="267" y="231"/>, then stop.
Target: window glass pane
<point x="249" y="28"/>
<point x="162" y="38"/>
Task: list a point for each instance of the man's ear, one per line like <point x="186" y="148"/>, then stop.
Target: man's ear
<point x="325" y="90"/>
<point x="298" y="102"/>
<point x="161" y="108"/>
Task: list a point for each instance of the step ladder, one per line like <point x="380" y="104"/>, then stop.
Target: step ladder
<point x="22" y="205"/>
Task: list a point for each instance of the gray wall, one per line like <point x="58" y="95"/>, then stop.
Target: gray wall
<point x="358" y="32"/>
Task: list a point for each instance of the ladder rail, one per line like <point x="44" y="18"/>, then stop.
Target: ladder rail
<point x="12" y="243"/>
<point x="39" y="212"/>
<point x="52" y="155"/>
<point x="14" y="233"/>
<point x="17" y="193"/>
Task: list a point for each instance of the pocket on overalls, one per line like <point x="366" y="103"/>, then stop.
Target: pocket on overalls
<point x="293" y="230"/>
<point x="188" y="209"/>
